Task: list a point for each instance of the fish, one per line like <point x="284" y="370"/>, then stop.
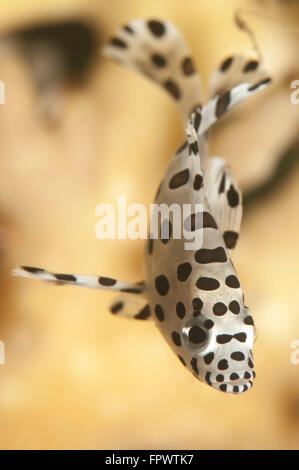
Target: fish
<point x="194" y="296"/>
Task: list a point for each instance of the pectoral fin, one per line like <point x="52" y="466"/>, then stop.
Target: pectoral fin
<point x="225" y="199"/>
<point x="81" y="280"/>
<point x="129" y="306"/>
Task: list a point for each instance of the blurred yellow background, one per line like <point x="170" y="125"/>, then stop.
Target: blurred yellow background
<point x="76" y="377"/>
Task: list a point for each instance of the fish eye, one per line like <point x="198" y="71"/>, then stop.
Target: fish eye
<point x="195" y="335"/>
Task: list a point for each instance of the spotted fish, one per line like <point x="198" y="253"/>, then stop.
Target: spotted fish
<point x="194" y="296"/>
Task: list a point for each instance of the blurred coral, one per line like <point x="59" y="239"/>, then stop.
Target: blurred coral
<point x="76" y="377"/>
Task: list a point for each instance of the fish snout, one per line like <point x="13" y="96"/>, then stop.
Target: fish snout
<point x="235" y="383"/>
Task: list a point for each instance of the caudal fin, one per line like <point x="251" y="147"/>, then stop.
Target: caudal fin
<point x="221" y="104"/>
<point x="235" y="70"/>
<point x="157" y="49"/>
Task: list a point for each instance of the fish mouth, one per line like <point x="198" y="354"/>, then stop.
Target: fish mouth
<point x="236" y="387"/>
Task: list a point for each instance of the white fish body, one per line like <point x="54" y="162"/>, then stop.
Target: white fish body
<point x="194" y="296"/>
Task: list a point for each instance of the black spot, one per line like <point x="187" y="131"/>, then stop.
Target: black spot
<point x="166" y="226"/>
<point x="240" y="337"/>
<point x="197" y="304"/>
<point x="180" y="309"/>
<point x="249" y="320"/>
<point x="232" y="197"/>
<point x="144" y="314"/>
<point x="234" y="376"/>
<point x="236" y="389"/>
<point x="206" y="256"/>
<point x="219" y="378"/>
<point x="223" y="387"/>
<point x="226" y="64"/>
<point x="159" y="312"/>
<point x="70" y="277"/>
<point x="197" y="120"/>
<point x="250" y="363"/>
<point x="208" y="324"/>
<point x="182" y="360"/>
<point x="31" y="270"/>
<point x="197" y="335"/>
<point x="199" y="220"/>
<point x="194" y="365"/>
<point x="232" y="281"/>
<point x="223" y="339"/>
<point x="250" y="66"/>
<point x="222" y="184"/>
<point x="208" y="221"/>
<point x="176" y="338"/>
<point x="245" y="388"/>
<point x="188" y="67"/>
<point x="156" y="27"/>
<point x="230" y="239"/>
<point x="162" y="284"/>
<point x="207" y="283"/>
<point x="222" y="104"/>
<point x="193" y="148"/>
<point x="219" y="308"/>
<point x="234" y="307"/>
<point x="158" y="60"/>
<point x="208" y="358"/>
<point x="179" y="179"/>
<point x="193" y="221"/>
<point x="128" y="29"/>
<point x="207" y="377"/>
<point x="197" y="183"/>
<point x="107" y="281"/>
<point x="237" y="356"/>
<point x="253" y="374"/>
<point x="223" y="364"/>
<point x="150" y="246"/>
<point x="118" y="43"/>
<point x="263" y="82"/>
<point x="247" y="375"/>
<point x="173" y="89"/>
<point x="130" y="290"/>
<point x="182" y="147"/>
<point x="183" y="272"/>
<point x="116" y="307"/>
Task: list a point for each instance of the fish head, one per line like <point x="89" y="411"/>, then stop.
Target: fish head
<point x="219" y="351"/>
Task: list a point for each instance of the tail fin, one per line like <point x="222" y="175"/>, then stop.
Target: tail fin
<point x="158" y="50"/>
<point x="235" y="70"/>
<point x="92" y="282"/>
<point x="218" y="106"/>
